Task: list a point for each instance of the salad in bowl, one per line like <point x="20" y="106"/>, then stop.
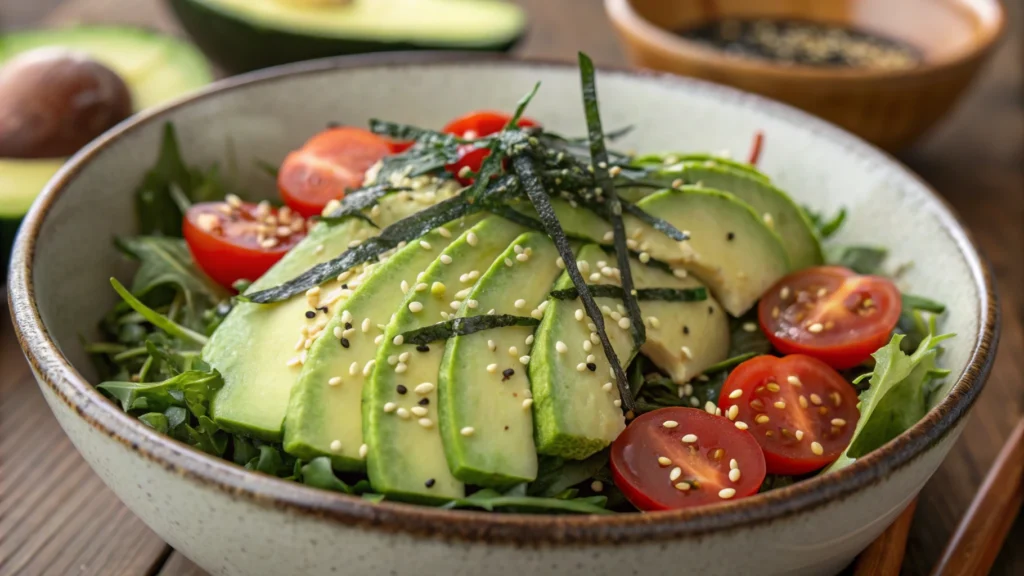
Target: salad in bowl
<point x="500" y="317"/>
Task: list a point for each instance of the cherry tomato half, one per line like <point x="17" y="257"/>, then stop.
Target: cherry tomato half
<point x="800" y="410"/>
<point x="330" y="163"/>
<point x="831" y="313"/>
<point x="683" y="457"/>
<point x="475" y="125"/>
<point x="230" y="241"/>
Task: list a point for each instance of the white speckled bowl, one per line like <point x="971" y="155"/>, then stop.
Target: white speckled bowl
<point x="231" y="521"/>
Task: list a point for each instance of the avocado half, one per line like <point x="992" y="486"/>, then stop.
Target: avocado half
<point x="244" y="35"/>
<point x="156" y="68"/>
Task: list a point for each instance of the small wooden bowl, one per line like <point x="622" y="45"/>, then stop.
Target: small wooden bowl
<point x="888" y="108"/>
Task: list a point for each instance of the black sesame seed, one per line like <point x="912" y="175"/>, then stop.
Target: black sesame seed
<point x="344" y="286"/>
<point x="711" y="310"/>
<point x="401" y="389"/>
<point x="323" y="309"/>
<point x="506" y="428"/>
<point x="348" y="325"/>
<point x="507" y="374"/>
<point x="730" y="236"/>
<point x="591" y="366"/>
<point x="344" y="343"/>
<point x="424" y="401"/>
<point x="310" y="314"/>
<point x="686" y="329"/>
<point x="423" y="348"/>
<point x="429" y="483"/>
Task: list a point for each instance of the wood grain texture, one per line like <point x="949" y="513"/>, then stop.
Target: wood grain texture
<point x="57" y="518"/>
<point x="885" y="554"/>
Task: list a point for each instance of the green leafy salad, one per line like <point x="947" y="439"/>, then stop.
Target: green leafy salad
<point x="498" y="317"/>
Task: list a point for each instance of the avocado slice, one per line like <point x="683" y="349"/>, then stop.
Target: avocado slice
<point x="405" y="455"/>
<point x="156" y="68"/>
<point x="683" y="338"/>
<point x="730" y="248"/>
<point x="324" y="415"/>
<point x="776" y="208"/>
<point x="259" y="372"/>
<point x="575" y="401"/>
<point x="243" y="35"/>
<point x="484" y="412"/>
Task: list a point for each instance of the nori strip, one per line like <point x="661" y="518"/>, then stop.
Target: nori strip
<point x="529" y="179"/>
<point x="405" y="230"/>
<point x="729" y="363"/>
<point x="642" y="294"/>
<point x="599" y="158"/>
<point x="465" y="326"/>
<point x="358" y="200"/>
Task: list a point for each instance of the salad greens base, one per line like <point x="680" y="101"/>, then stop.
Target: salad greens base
<point x="149" y="356"/>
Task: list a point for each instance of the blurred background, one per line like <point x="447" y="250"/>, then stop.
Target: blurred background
<point x="937" y="82"/>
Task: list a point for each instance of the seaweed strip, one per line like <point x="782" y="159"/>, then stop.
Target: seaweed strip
<point x="642" y="294"/>
<point x="358" y="200"/>
<point x="465" y="326"/>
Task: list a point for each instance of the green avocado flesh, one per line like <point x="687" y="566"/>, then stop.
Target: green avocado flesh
<point x="325" y="410"/>
<point x="259" y="372"/>
<point x="156" y="69"/>
<point x="249" y="34"/>
<point x="484" y="412"/>
<point x="406" y="457"/>
<point x="574" y="406"/>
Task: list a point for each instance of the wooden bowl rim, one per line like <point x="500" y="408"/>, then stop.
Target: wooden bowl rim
<point x="642" y="31"/>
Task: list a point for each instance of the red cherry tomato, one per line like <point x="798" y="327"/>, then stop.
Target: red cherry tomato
<point x="330" y="163"/>
<point x="242" y="241"/>
<point x="475" y="125"/>
<point x="683" y="457"/>
<point x="830" y="313"/>
<point x="801" y="411"/>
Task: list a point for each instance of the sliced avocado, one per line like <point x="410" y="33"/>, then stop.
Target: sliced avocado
<point x="156" y="68"/>
<point x="483" y="390"/>
<point x="575" y="401"/>
<point x="259" y="372"/>
<point x="325" y="408"/>
<point x="776" y="208"/>
<point x="674" y="160"/>
<point x="406" y="457"/>
<point x="730" y="248"/>
<point x="683" y="338"/>
<point x="244" y="35"/>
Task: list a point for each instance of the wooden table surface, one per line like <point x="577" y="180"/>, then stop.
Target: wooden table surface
<point x="56" y="517"/>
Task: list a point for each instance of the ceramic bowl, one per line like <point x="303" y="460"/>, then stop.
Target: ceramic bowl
<point x="887" y="108"/>
<point x="232" y="521"/>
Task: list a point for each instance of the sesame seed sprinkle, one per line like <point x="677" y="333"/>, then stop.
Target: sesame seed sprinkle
<point x="400" y="368"/>
<point x="726" y="493"/>
<point x="733" y="412"/>
<point x="527" y="403"/>
<point x="335" y="445"/>
<point x="418" y="411"/>
<point x="710" y="407"/>
<point x="335" y="381"/>
<point x="735" y="394"/>
<point x="445" y="259"/>
<point x="815" y="399"/>
<point x="799" y="434"/>
<point x="425" y="422"/>
<point x="689" y="438"/>
<point x="581" y="367"/>
<point x="353" y="368"/>
<point x="741" y="425"/>
<point x="670" y="424"/>
<point x="675" y="473"/>
<point x="402" y="413"/>
<point x="781" y="405"/>
<point x="734" y="474"/>
<point x="415" y="307"/>
<point x="682" y="486"/>
<point x="817" y="449"/>
<point x="390" y="407"/>
<point x="815" y="328"/>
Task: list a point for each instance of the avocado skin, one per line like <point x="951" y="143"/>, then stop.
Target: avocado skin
<point x="238" y="46"/>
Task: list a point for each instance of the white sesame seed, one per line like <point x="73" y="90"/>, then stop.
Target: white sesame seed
<point x="682" y="486"/>
<point x="233" y="200"/>
<point x="617" y="403"/>
<point x="335" y="381"/>
<point x="420" y="287"/>
<point x="369" y="367"/>
<point x="353" y="368"/>
<point x="404" y="356"/>
<point x="335" y="445"/>
<point x="522" y="257"/>
<point x="624" y="323"/>
<point x="520" y="304"/>
<point x="415" y="307"/>
<point x="726" y="493"/>
<point x="467" y="431"/>
<point x="687" y="353"/>
<point x="561" y="347"/>
<point x="736" y="394"/>
<point x="803" y="401"/>
<point x="675" y="473"/>
<point x="378" y="339"/>
<point x="815" y="399"/>
<point x="587" y="346"/>
<point x="749" y="327"/>
<point x="817" y="449"/>
<point x="591" y="358"/>
<point x="581" y="367"/>
<point x="524" y="360"/>
<point x="762" y="419"/>
<point x="815" y="328"/>
<point x="293" y="362"/>
<point x="472" y="304"/>
<point x="559" y="263"/>
<point x="579" y="314"/>
<point x="607" y="387"/>
<point x="799" y="434"/>
<point x="741" y="425"/>
<point x="513" y="351"/>
<point x="425" y="422"/>
<point x="402" y="413"/>
<point x="445" y="259"/>
<point x="398" y="340"/>
<point x="508" y="262"/>
<point x="492" y="368"/>
<point x="689" y="438"/>
<point x="733" y="412"/>
<point x="654" y="322"/>
<point x="609" y="236"/>
<point x="784" y="292"/>
<point x="390" y="407"/>
<point x="444" y="232"/>
<point x="471" y="238"/>
<point x="455" y="304"/>
<point x="418" y="411"/>
<point x="527" y="403"/>
<point x="694" y="402"/>
<point x="794" y="380"/>
<point x="645" y="257"/>
<point x="670" y="423"/>
<point x="337" y="331"/>
<point x="425" y="245"/>
<point x="663" y="461"/>
<point x="734" y="474"/>
<point x="838" y="422"/>
<point x="781" y="405"/>
<point x="424" y="388"/>
<point x="517" y="249"/>
<point x="348" y="332"/>
<point x="401" y="368"/>
<point x="491" y="345"/>
<point x="710" y="407"/>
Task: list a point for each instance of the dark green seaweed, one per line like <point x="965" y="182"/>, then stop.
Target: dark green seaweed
<point x="465" y="326"/>
<point x="642" y="294"/>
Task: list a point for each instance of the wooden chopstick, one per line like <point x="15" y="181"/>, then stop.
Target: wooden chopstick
<point x="981" y="532"/>
<point x="885" y="555"/>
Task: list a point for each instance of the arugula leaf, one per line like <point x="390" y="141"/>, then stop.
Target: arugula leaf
<point x="555" y="474"/>
<point x="728" y="363"/>
<point x="191" y="390"/>
<point x="896" y="398"/>
<point x="155" y="318"/>
<point x="743" y="341"/>
<point x="319" y="474"/>
<point x="860" y="259"/>
<point x="492" y="500"/>
<point x="155" y="420"/>
<point x="826" y="228"/>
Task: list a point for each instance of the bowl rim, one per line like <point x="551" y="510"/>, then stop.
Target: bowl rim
<point x="55" y="372"/>
<point x="626" y="18"/>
